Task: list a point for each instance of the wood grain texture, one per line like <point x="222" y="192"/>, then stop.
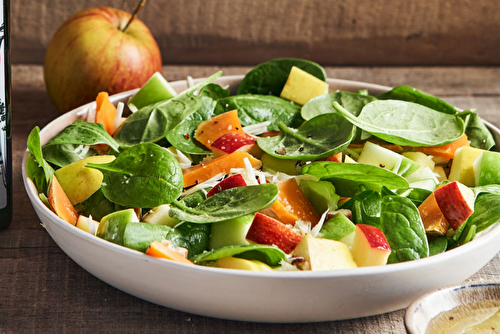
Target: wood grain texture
<point x="44" y="291"/>
<point x="331" y="32"/>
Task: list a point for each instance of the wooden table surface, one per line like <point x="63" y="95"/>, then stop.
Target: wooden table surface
<point x="43" y="290"/>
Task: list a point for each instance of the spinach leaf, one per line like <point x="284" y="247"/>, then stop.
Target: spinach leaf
<point x="486" y="211"/>
<point x="365" y="208"/>
<point x="254" y="109"/>
<point x="99" y="206"/>
<point x="403" y="228"/>
<point x="410" y="94"/>
<point x="34" y="173"/>
<point x="182" y="136"/>
<point x="83" y="133"/>
<point x="320" y="137"/>
<point x="478" y="134"/>
<point x="437" y="244"/>
<point x="348" y="179"/>
<point x="487" y="188"/>
<point x="270" y="77"/>
<point x="64" y="154"/>
<point x="353" y="102"/>
<point x="270" y="255"/>
<point x="194" y="237"/>
<point x="153" y="122"/>
<point x="406" y="123"/>
<point x="143" y="176"/>
<point x="214" y="91"/>
<point x="227" y="204"/>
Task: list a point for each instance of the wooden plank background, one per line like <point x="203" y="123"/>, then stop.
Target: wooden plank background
<point x="331" y="32"/>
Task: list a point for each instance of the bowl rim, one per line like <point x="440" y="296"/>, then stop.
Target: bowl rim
<point x="359" y="271"/>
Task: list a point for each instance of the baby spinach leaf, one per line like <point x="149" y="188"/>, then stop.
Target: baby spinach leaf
<point x="437" y="244"/>
<point x="64" y="154"/>
<point x="403" y="228"/>
<point x="214" y="91"/>
<point x="99" y="206"/>
<point x="143" y="176"/>
<point x="406" y="123"/>
<point x="194" y="237"/>
<point x="486" y="211"/>
<point x="152" y="123"/>
<point x="320" y="137"/>
<point x="270" y="77"/>
<point x="270" y="255"/>
<point x="348" y="179"/>
<point x="410" y="94"/>
<point x="182" y="136"/>
<point x="34" y="173"/>
<point x="478" y="134"/>
<point x="365" y="208"/>
<point x="254" y="109"/>
<point x="83" y="133"/>
<point x="353" y="102"/>
<point x="227" y="204"/>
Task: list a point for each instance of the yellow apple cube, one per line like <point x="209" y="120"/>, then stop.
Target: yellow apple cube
<point x="462" y="168"/>
<point x="324" y="254"/>
<point x="302" y="86"/>
<point x="242" y="264"/>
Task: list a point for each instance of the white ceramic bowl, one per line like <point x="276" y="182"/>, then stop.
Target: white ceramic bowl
<point x="454" y="308"/>
<point x="268" y="296"/>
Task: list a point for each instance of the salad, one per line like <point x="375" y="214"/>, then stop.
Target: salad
<point x="282" y="175"/>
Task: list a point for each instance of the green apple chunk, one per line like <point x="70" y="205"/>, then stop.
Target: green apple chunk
<point x="139" y="236"/>
<point x="230" y="232"/>
<point x="159" y="216"/>
<point x="80" y="182"/>
<point x="156" y="89"/>
<point x="337" y="227"/>
<point x="272" y="165"/>
<point x="112" y="226"/>
<point x="301" y="86"/>
<point x="487" y="168"/>
<point x="462" y="167"/>
<point x="321" y="194"/>
<point x="376" y="155"/>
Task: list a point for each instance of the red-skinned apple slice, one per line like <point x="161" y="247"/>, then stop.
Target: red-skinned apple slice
<point x="370" y="247"/>
<point x="268" y="231"/>
<point x="236" y="141"/>
<point x="233" y="181"/>
<point x="456" y="202"/>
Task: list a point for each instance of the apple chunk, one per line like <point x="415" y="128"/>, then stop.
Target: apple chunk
<point x="370" y="247"/>
<point x="233" y="181"/>
<point x="236" y="141"/>
<point x="324" y="254"/>
<point x="268" y="231"/>
<point x="456" y="202"/>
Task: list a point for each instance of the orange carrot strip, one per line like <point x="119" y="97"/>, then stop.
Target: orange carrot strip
<point x="105" y="112"/>
<point x="60" y="202"/>
<point x="157" y="249"/>
<point x="444" y="151"/>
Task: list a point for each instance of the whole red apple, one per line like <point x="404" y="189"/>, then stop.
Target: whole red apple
<point x="90" y="53"/>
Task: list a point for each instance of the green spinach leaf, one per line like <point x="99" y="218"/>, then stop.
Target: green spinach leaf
<point x="254" y="109"/>
<point x="182" y="136"/>
<point x="437" y="244"/>
<point x="365" y="208"/>
<point x="350" y="179"/>
<point x="323" y="104"/>
<point x="270" y="77"/>
<point x="403" y="228"/>
<point x="227" y="204"/>
<point x="64" y="154"/>
<point x="320" y="137"/>
<point x="270" y="255"/>
<point x="34" y="172"/>
<point x="478" y="134"/>
<point x="406" y="123"/>
<point x="410" y="94"/>
<point x="486" y="211"/>
<point x="214" y="91"/>
<point x="194" y="237"/>
<point x="143" y="176"/>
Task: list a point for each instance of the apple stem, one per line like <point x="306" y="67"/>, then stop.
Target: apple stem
<point x="134" y="14"/>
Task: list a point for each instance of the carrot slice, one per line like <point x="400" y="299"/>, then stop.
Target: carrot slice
<point x="292" y="205"/>
<point x="210" y="130"/>
<point x="157" y="249"/>
<point x="60" y="202"/>
<point x="444" y="151"/>
<point x="105" y="112"/>
<point x="206" y="170"/>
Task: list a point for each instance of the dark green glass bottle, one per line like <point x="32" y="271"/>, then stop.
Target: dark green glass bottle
<point x="5" y="120"/>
